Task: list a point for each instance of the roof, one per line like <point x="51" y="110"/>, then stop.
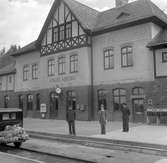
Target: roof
<point x="96" y="22"/>
<point x="28" y="48"/>
<point x="8" y="110"/>
<point x="8" y="69"/>
<point x="159" y="40"/>
<point x="134" y="11"/>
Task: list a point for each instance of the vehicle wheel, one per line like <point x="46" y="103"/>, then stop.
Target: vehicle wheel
<point x="17" y="144"/>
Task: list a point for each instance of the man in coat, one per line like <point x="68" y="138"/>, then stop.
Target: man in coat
<point x="102" y="119"/>
<point x="70" y="117"/>
<point x="125" y="117"/>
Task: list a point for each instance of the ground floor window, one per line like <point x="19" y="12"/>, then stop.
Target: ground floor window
<point x="21" y="98"/>
<point x="29" y="102"/>
<point x="102" y="98"/>
<point x="119" y="97"/>
<point x="71" y="99"/>
<point x="54" y="105"/>
<point x="38" y="102"/>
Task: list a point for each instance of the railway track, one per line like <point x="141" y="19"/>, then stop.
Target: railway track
<point x="104" y="143"/>
<point x="39" y="156"/>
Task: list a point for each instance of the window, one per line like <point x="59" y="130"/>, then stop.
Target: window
<point x="61" y="32"/>
<point x="51" y="67"/>
<point x="68" y="30"/>
<point x="164" y="56"/>
<point x="126" y="56"/>
<point x="108" y="59"/>
<point x="25" y="72"/>
<point x="61" y="65"/>
<point x="55" y="34"/>
<point x="71" y="99"/>
<point x="29" y="102"/>
<point x="119" y="97"/>
<point x="6" y="101"/>
<point x="138" y="91"/>
<point x="102" y="98"/>
<point x="38" y="101"/>
<point x="73" y="63"/>
<point x="35" y="71"/>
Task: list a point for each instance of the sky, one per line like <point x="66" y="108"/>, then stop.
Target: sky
<point x="21" y="20"/>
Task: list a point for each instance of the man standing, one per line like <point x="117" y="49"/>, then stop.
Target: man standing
<point x="125" y="117"/>
<point x="102" y="119"/>
<point x="70" y="117"/>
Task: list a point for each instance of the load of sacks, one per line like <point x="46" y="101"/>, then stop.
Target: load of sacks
<point x="13" y="134"/>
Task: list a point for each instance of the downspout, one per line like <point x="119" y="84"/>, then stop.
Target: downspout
<point x="92" y="81"/>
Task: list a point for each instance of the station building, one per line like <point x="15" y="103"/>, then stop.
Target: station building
<point x="84" y="58"/>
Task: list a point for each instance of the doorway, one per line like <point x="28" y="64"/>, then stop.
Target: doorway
<point x="21" y="102"/>
<point x="138" y="110"/>
<point x="71" y="100"/>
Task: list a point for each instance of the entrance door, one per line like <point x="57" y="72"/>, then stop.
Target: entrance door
<point x="138" y="110"/>
<point x="71" y="100"/>
<point x="53" y="105"/>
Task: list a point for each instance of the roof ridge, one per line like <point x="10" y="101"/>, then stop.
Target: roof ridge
<point x="85" y="5"/>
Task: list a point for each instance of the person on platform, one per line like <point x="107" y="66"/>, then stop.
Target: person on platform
<point x="125" y="117"/>
<point x="102" y="119"/>
<point x="70" y="117"/>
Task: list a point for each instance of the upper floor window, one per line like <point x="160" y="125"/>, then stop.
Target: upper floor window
<point x="26" y="72"/>
<point x="119" y="97"/>
<point x="55" y="34"/>
<point x="74" y="63"/>
<point x="108" y="59"/>
<point x="164" y="56"/>
<point x="61" y="32"/>
<point x="127" y="56"/>
<point x="35" y="71"/>
<point x="51" y="67"/>
<point x="61" y="65"/>
<point x="68" y="30"/>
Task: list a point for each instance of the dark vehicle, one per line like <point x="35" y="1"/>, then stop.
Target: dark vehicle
<point x="11" y="127"/>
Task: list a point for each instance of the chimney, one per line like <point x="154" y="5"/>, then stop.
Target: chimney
<point x="120" y="3"/>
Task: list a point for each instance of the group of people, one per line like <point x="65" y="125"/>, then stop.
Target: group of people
<point x="102" y="115"/>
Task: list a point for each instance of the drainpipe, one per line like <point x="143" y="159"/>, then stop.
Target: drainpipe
<point x="92" y="81"/>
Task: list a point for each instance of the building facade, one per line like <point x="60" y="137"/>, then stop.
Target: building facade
<point x="84" y="58"/>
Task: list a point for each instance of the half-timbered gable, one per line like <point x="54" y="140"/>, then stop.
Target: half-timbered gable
<point x="63" y="32"/>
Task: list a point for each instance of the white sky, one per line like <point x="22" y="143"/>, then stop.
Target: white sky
<point x="21" y="20"/>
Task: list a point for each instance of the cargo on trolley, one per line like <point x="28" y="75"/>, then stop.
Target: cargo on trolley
<point x="11" y="127"/>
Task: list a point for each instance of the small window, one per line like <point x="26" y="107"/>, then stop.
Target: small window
<point x="26" y="72"/>
<point x="127" y="56"/>
<point x="138" y="91"/>
<point x="68" y="30"/>
<point x="164" y="56"/>
<point x="51" y="67"/>
<point x="108" y="59"/>
<point x="35" y="71"/>
<point x="61" y="32"/>
<point x="73" y="63"/>
<point x="61" y="65"/>
<point x="55" y="34"/>
<point x="5" y="116"/>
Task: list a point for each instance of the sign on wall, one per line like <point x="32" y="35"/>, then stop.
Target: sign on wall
<point x="43" y="108"/>
<point x="62" y="79"/>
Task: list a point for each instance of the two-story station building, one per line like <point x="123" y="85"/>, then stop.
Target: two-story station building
<point x="83" y="58"/>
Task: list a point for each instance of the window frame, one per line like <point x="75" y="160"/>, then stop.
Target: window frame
<point x="119" y="96"/>
<point x="26" y="72"/>
<point x="61" y="65"/>
<point x="51" y="67"/>
<point x="127" y="55"/>
<point x="74" y="61"/>
<point x="35" y="71"/>
<point x="163" y="57"/>
<point x="109" y="58"/>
